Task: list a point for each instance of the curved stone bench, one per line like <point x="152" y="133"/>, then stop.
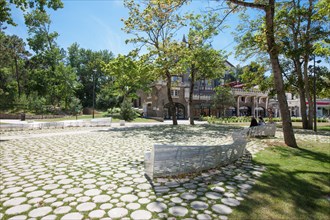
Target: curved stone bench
<point x="267" y="130"/>
<point x="172" y="160"/>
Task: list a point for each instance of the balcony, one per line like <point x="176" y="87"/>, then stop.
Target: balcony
<point x="248" y="92"/>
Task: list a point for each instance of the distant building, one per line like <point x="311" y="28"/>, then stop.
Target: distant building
<point x="249" y="102"/>
<point x="322" y="106"/>
<point x="155" y="104"/>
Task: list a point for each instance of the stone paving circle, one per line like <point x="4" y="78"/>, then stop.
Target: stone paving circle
<point x="98" y="173"/>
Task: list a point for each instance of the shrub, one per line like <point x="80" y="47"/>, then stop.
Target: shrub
<point x="127" y="113"/>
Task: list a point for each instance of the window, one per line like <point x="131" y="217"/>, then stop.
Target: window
<point x="177" y="79"/>
<point x="175" y="92"/>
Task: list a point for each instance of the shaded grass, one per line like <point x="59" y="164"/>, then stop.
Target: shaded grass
<point x="296" y="184"/>
<point x="324" y="128"/>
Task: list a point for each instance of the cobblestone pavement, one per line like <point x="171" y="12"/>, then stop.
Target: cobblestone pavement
<point x="98" y="173"/>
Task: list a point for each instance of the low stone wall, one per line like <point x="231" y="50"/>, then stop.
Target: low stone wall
<point x="18" y="116"/>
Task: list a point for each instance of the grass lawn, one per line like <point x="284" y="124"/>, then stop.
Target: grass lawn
<point x="296" y="184"/>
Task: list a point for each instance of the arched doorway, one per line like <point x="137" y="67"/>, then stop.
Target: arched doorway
<point x="180" y="111"/>
<point x="245" y="111"/>
<point x="260" y="111"/>
<point x="231" y="111"/>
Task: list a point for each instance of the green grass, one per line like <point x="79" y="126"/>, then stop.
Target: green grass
<point x="296" y="184"/>
<point x="324" y="128"/>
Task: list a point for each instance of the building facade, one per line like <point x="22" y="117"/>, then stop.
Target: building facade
<point x="155" y="104"/>
<point x="248" y="102"/>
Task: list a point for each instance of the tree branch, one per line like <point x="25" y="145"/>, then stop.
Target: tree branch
<point x="248" y="4"/>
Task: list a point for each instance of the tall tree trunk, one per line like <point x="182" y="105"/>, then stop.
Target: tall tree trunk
<point x="306" y="60"/>
<point x="17" y="77"/>
<point x="191" y="93"/>
<point x="289" y="137"/>
<point x="301" y="90"/>
<point x="308" y="94"/>
<point x="170" y="100"/>
<point x="296" y="28"/>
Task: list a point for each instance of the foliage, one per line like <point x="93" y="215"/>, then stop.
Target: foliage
<point x="75" y="106"/>
<point x="268" y="7"/>
<point x="322" y="82"/>
<point x="128" y="75"/>
<point x="254" y="74"/>
<point x="24" y="5"/>
<point x="112" y="111"/>
<point x="127" y="113"/>
<point x="223" y="98"/>
<point x="153" y="25"/>
<point x="87" y="65"/>
<point x="37" y="104"/>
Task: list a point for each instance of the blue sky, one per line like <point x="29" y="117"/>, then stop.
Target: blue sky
<point x="96" y="25"/>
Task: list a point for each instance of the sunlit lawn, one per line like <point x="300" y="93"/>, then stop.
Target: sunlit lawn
<point x="296" y="184"/>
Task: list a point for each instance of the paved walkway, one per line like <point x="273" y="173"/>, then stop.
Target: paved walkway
<point x="98" y="173"/>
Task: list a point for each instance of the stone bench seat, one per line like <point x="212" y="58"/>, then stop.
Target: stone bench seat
<point x="95" y="122"/>
<point x="267" y="130"/>
<point x="172" y="160"/>
<point x="73" y="123"/>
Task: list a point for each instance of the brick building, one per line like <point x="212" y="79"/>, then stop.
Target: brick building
<point x="155" y="104"/>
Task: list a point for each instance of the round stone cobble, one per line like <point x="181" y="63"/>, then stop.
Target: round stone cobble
<point x="178" y="211"/>
<point x="18" y="217"/>
<point x="230" y="201"/>
<point x="222" y="209"/>
<point x="15" y="201"/>
<point x="156" y="207"/>
<point x="96" y="214"/>
<point x="106" y="206"/>
<point x="188" y="196"/>
<point x="87" y="206"/>
<point x="133" y="206"/>
<point x="199" y="205"/>
<point x="71" y="216"/>
<point x="118" y="213"/>
<point x="40" y="212"/>
<point x="128" y="198"/>
<point x="62" y="210"/>
<point x="18" y="209"/>
<point x="141" y="214"/>
<point x="92" y="192"/>
<point x="101" y="199"/>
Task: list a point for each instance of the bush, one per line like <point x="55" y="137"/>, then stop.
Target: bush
<point x="210" y="119"/>
<point x="113" y="111"/>
<point x="127" y="113"/>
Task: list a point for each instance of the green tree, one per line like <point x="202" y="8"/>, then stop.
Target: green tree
<point x="254" y="74"/>
<point x="154" y="24"/>
<point x="50" y="76"/>
<point x="13" y="56"/>
<point x="87" y="65"/>
<point x="201" y="60"/>
<point x="222" y="99"/>
<point x="273" y="50"/>
<point x="24" y="5"/>
<point x="126" y="111"/>
<point x="301" y="31"/>
<point x="129" y="75"/>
